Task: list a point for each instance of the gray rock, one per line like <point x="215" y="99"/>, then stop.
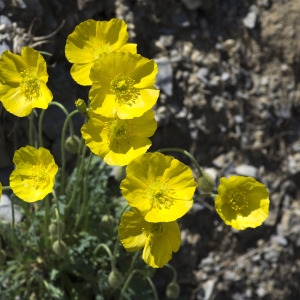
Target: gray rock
<point x="250" y="20"/>
<point x="202" y="74"/>
<point x="246" y="170"/>
<point x="6" y="211"/>
<point x="5" y="23"/>
<point x="164" y="79"/>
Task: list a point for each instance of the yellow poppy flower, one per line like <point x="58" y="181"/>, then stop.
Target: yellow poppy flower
<point x="159" y="240"/>
<point x="34" y="175"/>
<point x="118" y="141"/>
<point x="90" y="40"/>
<point x="23" y="81"/>
<point x="159" y="186"/>
<point x="242" y="202"/>
<point x="123" y="82"/>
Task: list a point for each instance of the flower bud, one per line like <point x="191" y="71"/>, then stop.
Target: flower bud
<point x="206" y="183"/>
<point x="107" y="220"/>
<point x="72" y="143"/>
<point x="120" y="173"/>
<point x="81" y="106"/>
<point x="2" y="257"/>
<point x="115" y="278"/>
<point x="59" y="247"/>
<point x="54" y="226"/>
<point x="173" y="290"/>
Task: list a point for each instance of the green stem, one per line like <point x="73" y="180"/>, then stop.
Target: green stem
<point x="30" y="133"/>
<point x="85" y="202"/>
<point x="62" y="146"/>
<point x="40" y="128"/>
<point x="6" y="188"/>
<point x="208" y="195"/>
<point x="47" y="215"/>
<point x="13" y="220"/>
<point x="188" y="154"/>
<point x="173" y="271"/>
<point x="126" y="284"/>
<point x="57" y="215"/>
<point x="105" y="247"/>
<point x="78" y="177"/>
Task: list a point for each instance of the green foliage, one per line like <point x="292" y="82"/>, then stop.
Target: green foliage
<point x="31" y="269"/>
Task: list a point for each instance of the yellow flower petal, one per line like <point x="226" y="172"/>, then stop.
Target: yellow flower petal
<point x="151" y="187"/>
<point x="23" y="82"/>
<point x="159" y="240"/>
<point x="242" y="202"/>
<point x="123" y="82"/>
<point x="118" y="141"/>
<point x="34" y="175"/>
<point x="90" y="40"/>
<point x="131" y="233"/>
<point x="165" y="240"/>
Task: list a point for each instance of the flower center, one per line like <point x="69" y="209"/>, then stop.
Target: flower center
<point x="39" y="177"/>
<point x="119" y="130"/>
<point x="160" y="195"/>
<point x="123" y="87"/>
<point x="238" y="200"/>
<point x="154" y="230"/>
<point x="30" y="85"/>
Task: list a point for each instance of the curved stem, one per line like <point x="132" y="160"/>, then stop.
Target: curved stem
<point x="126" y="284"/>
<point x="173" y="271"/>
<point x="104" y="246"/>
<point x="188" y="154"/>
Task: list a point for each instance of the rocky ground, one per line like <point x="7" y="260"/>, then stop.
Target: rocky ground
<point x="229" y="75"/>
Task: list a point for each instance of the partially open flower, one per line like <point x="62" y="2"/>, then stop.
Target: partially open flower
<point x="90" y="40"/>
<point x="34" y="175"/>
<point x="123" y="83"/>
<point x="159" y="240"/>
<point x="118" y="141"/>
<point x="242" y="202"/>
<point x="159" y="186"/>
<point x="23" y="82"/>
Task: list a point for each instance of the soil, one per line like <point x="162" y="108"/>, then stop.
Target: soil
<point x="230" y="95"/>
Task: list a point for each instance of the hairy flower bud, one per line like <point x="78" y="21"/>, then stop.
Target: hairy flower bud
<point x="54" y="227"/>
<point x="107" y="220"/>
<point x="115" y="278"/>
<point x="81" y="106"/>
<point x="120" y="173"/>
<point x="173" y="290"/>
<point x="59" y="247"/>
<point x="206" y="183"/>
<point x="72" y="143"/>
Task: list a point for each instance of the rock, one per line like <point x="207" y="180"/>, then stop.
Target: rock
<point x="246" y="170"/>
<point x="164" y="79"/>
<point x="250" y="20"/>
<point x="5" y="23"/>
<point x="6" y="211"/>
<point x="202" y="74"/>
